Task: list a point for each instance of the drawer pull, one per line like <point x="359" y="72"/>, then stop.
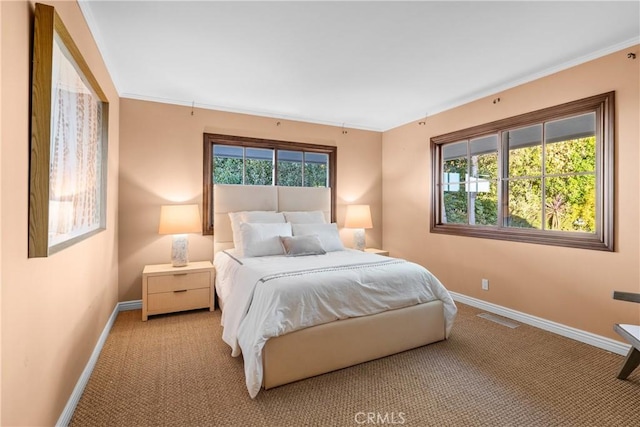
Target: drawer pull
<point x="181" y="290"/>
<point x="179" y="274"/>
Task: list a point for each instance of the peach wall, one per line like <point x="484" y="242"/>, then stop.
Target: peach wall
<point x="569" y="286"/>
<point x="161" y="163"/>
<point x="1" y="37"/>
<point x="53" y="309"/>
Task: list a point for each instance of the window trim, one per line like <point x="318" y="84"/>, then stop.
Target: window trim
<point x="603" y="239"/>
<point x="211" y="139"/>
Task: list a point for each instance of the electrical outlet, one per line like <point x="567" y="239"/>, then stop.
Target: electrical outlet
<point x="485" y="284"/>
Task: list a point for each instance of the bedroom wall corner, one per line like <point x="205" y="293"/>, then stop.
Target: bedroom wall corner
<point x="568" y="286"/>
<point x="161" y="163"/>
<point x="52" y="309"/>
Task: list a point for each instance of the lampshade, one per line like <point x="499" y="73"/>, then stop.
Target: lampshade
<point x="358" y="216"/>
<point x="179" y="219"/>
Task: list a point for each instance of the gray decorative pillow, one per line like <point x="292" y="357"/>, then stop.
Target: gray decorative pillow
<point x="302" y="245"/>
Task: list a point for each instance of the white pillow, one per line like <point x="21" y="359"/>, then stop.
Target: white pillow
<point x="254" y="217"/>
<point x="263" y="239"/>
<point x="308" y="217"/>
<point x="327" y="233"/>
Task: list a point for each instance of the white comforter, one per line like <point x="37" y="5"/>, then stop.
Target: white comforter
<point x="271" y="296"/>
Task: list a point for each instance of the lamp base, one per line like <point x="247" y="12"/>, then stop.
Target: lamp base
<point x="180" y="250"/>
<point x="358" y="239"/>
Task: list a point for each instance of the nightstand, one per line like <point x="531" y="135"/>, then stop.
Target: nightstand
<point x="167" y="289"/>
<point x="377" y="251"/>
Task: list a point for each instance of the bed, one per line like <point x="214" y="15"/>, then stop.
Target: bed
<point x="294" y="317"/>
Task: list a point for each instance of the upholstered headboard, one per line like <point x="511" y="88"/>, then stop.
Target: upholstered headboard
<point x="235" y="198"/>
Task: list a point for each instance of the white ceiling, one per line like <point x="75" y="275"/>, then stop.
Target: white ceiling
<point x="369" y="65"/>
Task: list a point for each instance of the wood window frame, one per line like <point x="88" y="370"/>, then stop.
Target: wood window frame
<point x="211" y="139"/>
<point x="603" y="239"/>
<point x="50" y="35"/>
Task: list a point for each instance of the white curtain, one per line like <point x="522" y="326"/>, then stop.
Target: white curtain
<point x="76" y="153"/>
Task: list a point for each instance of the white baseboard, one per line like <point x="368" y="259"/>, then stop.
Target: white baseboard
<point x="70" y="407"/>
<point x="547" y="325"/>
<point x="130" y="305"/>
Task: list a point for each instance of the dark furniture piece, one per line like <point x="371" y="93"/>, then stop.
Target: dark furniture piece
<point x="631" y="333"/>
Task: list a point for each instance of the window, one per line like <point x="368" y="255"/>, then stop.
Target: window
<point x="544" y="177"/>
<point x="242" y="165"/>
<point x="250" y="161"/>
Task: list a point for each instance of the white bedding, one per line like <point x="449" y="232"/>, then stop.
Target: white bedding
<point x="265" y="297"/>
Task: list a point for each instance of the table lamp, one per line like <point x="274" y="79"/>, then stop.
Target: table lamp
<point x="358" y="218"/>
<point x="179" y="220"/>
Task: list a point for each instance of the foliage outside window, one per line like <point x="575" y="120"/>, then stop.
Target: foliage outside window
<point x="543" y="177"/>
<point x="251" y="161"/>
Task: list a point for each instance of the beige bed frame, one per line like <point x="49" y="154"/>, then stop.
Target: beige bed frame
<point x="336" y="345"/>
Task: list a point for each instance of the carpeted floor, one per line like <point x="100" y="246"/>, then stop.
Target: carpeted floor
<point x="174" y="370"/>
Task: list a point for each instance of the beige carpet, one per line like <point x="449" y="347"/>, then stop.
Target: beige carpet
<point x="174" y="370"/>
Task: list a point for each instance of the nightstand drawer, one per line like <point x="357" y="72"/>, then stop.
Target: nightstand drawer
<point x="178" y="282"/>
<point x="180" y="300"/>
